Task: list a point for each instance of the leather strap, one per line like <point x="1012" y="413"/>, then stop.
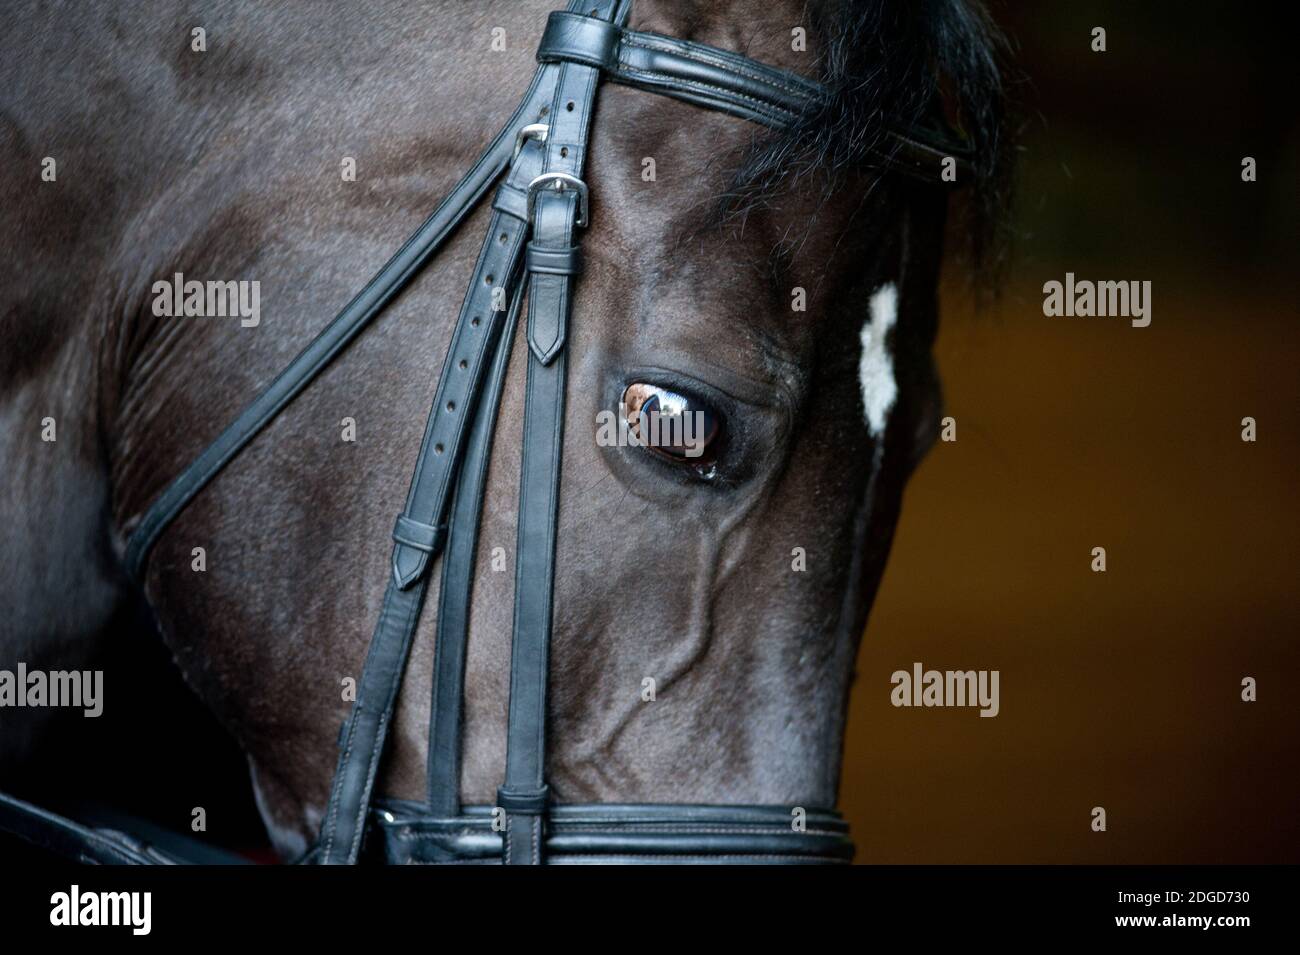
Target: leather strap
<point x="612" y="833"/>
<point x="726" y="82"/>
<point x="456" y="589"/>
<point x="461" y="379"/>
<point x="66" y="838"/>
<point x="524" y="793"/>
<point x="355" y="316"/>
<point x="553" y="261"/>
<point x="705" y="75"/>
<point x="419" y="530"/>
<point x="366" y="728"/>
<point x="412" y="533"/>
<point x="83" y="844"/>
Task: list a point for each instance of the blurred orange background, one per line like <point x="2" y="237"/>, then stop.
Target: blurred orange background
<point x="1119" y="689"/>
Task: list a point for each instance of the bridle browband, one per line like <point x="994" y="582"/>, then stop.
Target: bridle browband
<point x="538" y="209"/>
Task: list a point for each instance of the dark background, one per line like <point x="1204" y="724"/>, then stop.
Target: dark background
<point x="1120" y="689"/>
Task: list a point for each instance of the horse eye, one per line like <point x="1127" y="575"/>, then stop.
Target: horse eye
<point x="676" y="427"/>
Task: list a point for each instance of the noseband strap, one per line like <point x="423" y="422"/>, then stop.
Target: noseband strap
<point x="406" y="833"/>
<point x="539" y="210"/>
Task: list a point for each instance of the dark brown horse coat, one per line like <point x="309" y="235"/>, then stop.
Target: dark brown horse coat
<point x="227" y="165"/>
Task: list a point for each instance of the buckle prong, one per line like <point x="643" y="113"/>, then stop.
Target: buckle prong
<point x="561" y="181"/>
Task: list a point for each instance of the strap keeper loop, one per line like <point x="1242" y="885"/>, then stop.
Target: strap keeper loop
<point x="511" y="201"/>
<point x="553" y="261"/>
<point x="421" y="536"/>
<point x="575" y="38"/>
<point x="527" y="803"/>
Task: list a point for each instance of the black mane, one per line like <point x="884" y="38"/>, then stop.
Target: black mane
<point x="896" y="64"/>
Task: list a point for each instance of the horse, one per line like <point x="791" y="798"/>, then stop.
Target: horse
<point x="776" y="282"/>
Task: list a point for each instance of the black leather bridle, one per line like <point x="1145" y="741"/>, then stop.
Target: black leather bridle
<point x="539" y="209"/>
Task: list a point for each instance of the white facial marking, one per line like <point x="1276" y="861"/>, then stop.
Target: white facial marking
<point x="876" y="366"/>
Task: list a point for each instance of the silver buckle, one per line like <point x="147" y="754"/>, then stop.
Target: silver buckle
<point x="562" y="181"/>
<point x="535" y="131"/>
